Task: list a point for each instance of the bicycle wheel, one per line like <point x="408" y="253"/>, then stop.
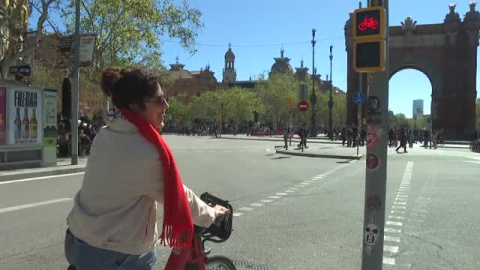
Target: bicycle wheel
<point x="219" y="263"/>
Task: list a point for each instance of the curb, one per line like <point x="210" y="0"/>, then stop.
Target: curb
<point x="350" y="157"/>
<point x="54" y="172"/>
<point x="278" y="140"/>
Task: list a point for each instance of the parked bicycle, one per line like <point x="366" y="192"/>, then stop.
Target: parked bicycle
<point x="475" y="146"/>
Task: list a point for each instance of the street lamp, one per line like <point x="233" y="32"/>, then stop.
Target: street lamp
<point x="330" y="102"/>
<point x="313" y="97"/>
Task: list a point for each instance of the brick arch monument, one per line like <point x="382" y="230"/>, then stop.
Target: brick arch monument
<point x="447" y="54"/>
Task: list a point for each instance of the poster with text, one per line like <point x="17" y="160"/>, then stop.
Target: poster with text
<point x="25" y="115"/>
<point x="3" y="115"/>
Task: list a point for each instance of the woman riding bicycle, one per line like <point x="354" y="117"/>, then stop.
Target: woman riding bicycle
<point x="113" y="223"/>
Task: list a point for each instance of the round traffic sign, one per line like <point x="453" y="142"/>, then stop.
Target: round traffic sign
<point x="302" y="106"/>
<point x="358" y="97"/>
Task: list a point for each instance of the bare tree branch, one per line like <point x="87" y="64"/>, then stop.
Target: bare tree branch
<point x="89" y="15"/>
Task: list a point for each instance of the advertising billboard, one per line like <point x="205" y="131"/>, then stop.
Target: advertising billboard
<point x="25" y="116"/>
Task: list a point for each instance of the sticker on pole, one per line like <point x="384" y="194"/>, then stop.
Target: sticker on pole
<point x="374" y="135"/>
<point x="302" y="106"/>
<point x="372" y="233"/>
<point x="373" y="162"/>
<point x="358" y="97"/>
<point x="374" y="203"/>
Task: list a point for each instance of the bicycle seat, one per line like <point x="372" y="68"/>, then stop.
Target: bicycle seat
<point x="221" y="229"/>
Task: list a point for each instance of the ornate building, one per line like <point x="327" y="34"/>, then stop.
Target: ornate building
<point x="281" y="65"/>
<point x="229" y="73"/>
<point x="190" y="83"/>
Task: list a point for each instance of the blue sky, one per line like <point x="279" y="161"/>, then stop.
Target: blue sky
<point x="257" y="29"/>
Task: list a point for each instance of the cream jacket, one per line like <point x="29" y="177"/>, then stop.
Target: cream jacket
<point x="116" y="207"/>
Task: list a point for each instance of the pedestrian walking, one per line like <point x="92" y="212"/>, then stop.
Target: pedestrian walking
<point x="286" y="134"/>
<point x="402" y="137"/>
<point x="411" y="139"/>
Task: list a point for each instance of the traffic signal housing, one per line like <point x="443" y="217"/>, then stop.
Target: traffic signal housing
<point x="370" y="23"/>
<point x="370" y="56"/>
<point x="369" y="50"/>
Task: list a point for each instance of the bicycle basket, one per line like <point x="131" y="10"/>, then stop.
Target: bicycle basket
<point x="219" y="231"/>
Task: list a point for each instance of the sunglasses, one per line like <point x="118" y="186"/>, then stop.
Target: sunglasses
<point x="160" y="100"/>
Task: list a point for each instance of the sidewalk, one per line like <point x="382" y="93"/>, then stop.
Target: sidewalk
<point x="330" y="151"/>
<point x="63" y="167"/>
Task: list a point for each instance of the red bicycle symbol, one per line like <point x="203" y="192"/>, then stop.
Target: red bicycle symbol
<point x="368" y="23"/>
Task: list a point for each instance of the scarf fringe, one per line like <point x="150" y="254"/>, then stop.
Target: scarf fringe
<point x="176" y="237"/>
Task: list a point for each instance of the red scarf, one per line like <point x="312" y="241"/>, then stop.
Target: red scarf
<point x="177" y="230"/>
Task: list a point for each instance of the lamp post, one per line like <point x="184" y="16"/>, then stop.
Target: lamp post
<point x="313" y="97"/>
<point x="330" y="102"/>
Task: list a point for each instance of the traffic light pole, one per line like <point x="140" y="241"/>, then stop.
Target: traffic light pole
<point x="76" y="85"/>
<point x="376" y="171"/>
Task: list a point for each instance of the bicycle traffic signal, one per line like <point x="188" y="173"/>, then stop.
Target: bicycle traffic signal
<point x="370" y="23"/>
<point x="369" y="50"/>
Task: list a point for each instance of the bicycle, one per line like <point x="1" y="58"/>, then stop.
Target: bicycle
<point x="368" y="23"/>
<point x="475" y="146"/>
<point x="219" y="232"/>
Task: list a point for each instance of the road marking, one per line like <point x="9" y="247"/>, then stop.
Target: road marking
<point x="246" y="209"/>
<point x="31" y="205"/>
<point x="392" y="249"/>
<point x="394" y="223"/>
<point x="391" y="239"/>
<point x="289" y="191"/>
<point x="237" y="214"/>
<point x="397" y="212"/>
<point x="40" y="178"/>
<point x="389" y="261"/>
<point x="399" y="203"/>
<point x="274" y="197"/>
<point x="266" y="201"/>
<point x="401" y="199"/>
<point x="256" y="204"/>
<point x="405" y="196"/>
<point x="399" y="207"/>
<point x="391" y="230"/>
<point x="282" y="194"/>
<point x="396" y="217"/>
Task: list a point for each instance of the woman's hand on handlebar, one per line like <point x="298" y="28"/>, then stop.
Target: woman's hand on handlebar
<point x="221" y="211"/>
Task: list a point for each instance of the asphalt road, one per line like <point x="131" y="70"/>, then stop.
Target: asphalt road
<point x="291" y="212"/>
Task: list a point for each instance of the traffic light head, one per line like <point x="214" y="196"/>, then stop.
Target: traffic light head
<point x="369" y="23"/>
<point x="369" y="56"/>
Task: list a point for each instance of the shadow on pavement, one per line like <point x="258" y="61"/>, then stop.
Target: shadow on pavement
<point x="280" y="158"/>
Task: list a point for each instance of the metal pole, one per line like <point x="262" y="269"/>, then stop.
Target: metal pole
<point x="376" y="171"/>
<point x="313" y="98"/>
<point x="330" y="102"/>
<point x="76" y="85"/>
<point x="359" y="114"/>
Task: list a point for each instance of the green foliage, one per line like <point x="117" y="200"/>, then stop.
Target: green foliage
<point x="130" y="31"/>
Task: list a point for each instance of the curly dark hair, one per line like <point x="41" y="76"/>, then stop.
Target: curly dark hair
<point x="127" y="87"/>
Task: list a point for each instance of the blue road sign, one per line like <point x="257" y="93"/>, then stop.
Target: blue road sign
<point x="358" y="97"/>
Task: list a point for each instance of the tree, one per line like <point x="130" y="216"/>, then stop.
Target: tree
<point x="130" y="31"/>
<point x="274" y="93"/>
<point x="13" y="27"/>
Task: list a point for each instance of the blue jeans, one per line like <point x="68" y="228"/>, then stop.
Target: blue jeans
<point x="86" y="257"/>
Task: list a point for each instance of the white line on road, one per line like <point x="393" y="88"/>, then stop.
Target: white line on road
<point x="392" y="249"/>
<point x="256" y="204"/>
<point x="30" y="205"/>
<point x="282" y="194"/>
<point x="394" y="223"/>
<point x="404" y="196"/>
<point x="389" y="261"/>
<point x="397" y="212"/>
<point x="266" y="201"/>
<point x="399" y="203"/>
<point x="274" y="197"/>
<point x="237" y="214"/>
<point x="396" y="217"/>
<point x="40" y="178"/>
<point x="391" y="230"/>
<point x="401" y="199"/>
<point x="399" y="207"/>
<point x="391" y="239"/>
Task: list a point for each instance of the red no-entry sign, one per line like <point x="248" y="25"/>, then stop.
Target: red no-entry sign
<point x="302" y="106"/>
